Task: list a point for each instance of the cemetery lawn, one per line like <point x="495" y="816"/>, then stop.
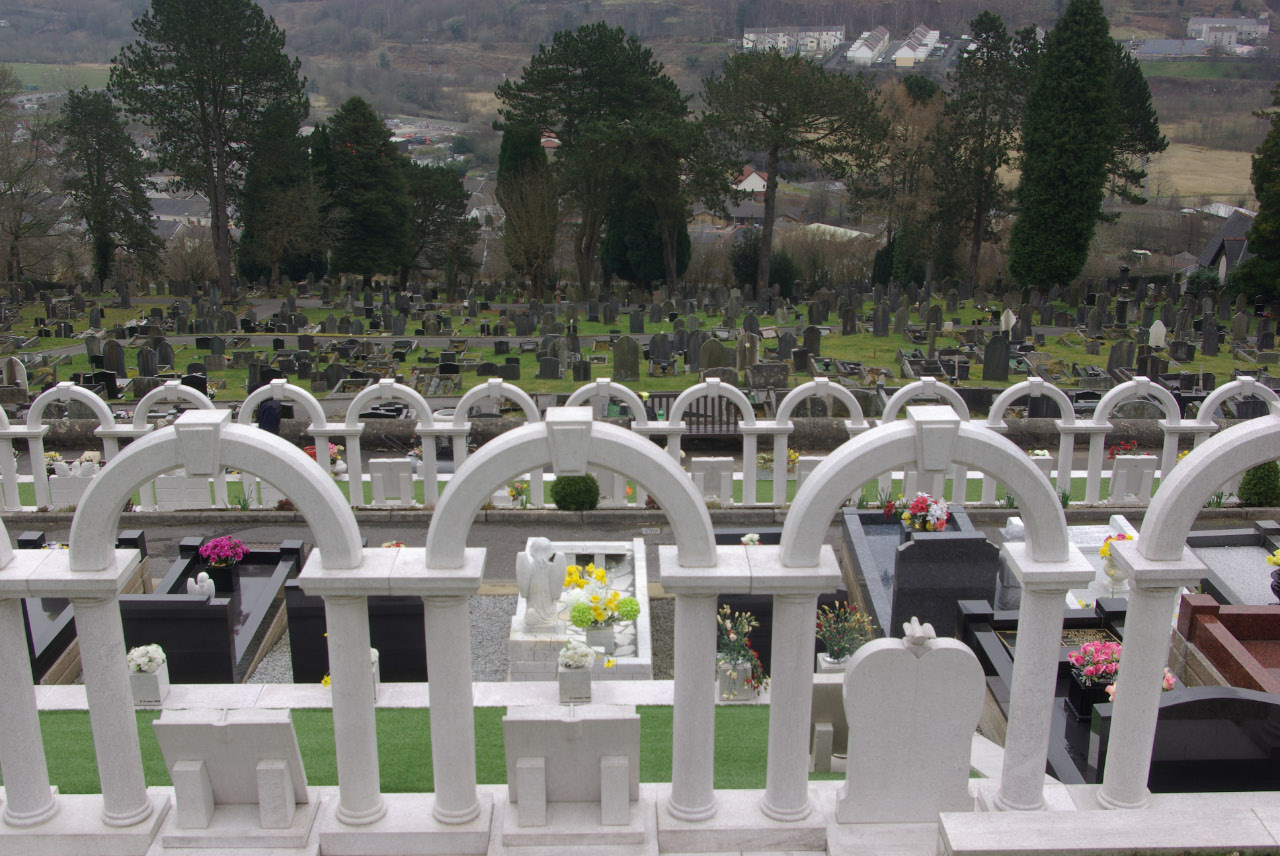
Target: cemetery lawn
<point x="48" y="76"/>
<point x="404" y="748"/>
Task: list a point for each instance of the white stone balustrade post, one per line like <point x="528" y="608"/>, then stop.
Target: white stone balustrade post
<point x="1035" y="673"/>
<point x="780" y="467"/>
<point x="786" y="795"/>
<point x="354" y="726"/>
<point x="9" y="476"/>
<point x="1153" y="593"/>
<point x="693" y="721"/>
<point x="111" y="714"/>
<point x="453" y="733"/>
<point x="748" y="465"/>
<point x="28" y="798"/>
<point x="1093" y="479"/>
<point x="40" y="475"/>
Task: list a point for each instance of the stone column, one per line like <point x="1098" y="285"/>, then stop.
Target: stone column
<point x="9" y="477"/>
<point x="459" y="445"/>
<point x="748" y="468"/>
<point x="1066" y="458"/>
<point x="29" y="801"/>
<point x="453" y="730"/>
<point x="786" y="795"/>
<point x="355" y="471"/>
<point x="115" y="730"/>
<point x="780" y="469"/>
<point x="1133" y="720"/>
<point x="693" y="721"/>
<point x="1093" y="483"/>
<point x="1035" y="674"/>
<point x="354" y="727"/>
<point x="35" y="450"/>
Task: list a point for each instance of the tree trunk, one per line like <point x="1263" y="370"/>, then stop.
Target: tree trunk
<point x="975" y="245"/>
<point x="766" y="233"/>
<point x="221" y="224"/>
<point x="669" y="242"/>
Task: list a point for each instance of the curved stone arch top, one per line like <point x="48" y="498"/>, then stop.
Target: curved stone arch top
<point x="496" y="390"/>
<point x="1241" y="387"/>
<point x="68" y="391"/>
<point x="569" y="440"/>
<point x="1139" y="387"/>
<point x="923" y="388"/>
<point x="203" y="442"/>
<point x="387" y="389"/>
<point x="607" y="388"/>
<point x="1183" y="491"/>
<point x="1031" y="388"/>
<point x="712" y="387"/>
<point x="820" y="387"/>
<point x="895" y="444"/>
<point x="284" y="391"/>
<point x="170" y="391"/>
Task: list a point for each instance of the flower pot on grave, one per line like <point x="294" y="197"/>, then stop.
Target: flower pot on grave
<point x="602" y="638"/>
<point x="1275" y="583"/>
<point x="825" y="665"/>
<point x="575" y="685"/>
<point x="150" y="688"/>
<point x="1116" y="578"/>
<point x="226" y="579"/>
<point x="1082" y="698"/>
<point x="732" y="679"/>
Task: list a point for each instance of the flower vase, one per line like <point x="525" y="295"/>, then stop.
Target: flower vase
<point x="1116" y="579"/>
<point x="732" y="679"/>
<point x="602" y="638"/>
<point x="150" y="688"/>
<point x="575" y="685"/>
<point x="226" y="579"/>
<point x="825" y="665"/>
<point x="1275" y="583"/>
<point x="1082" y="698"/>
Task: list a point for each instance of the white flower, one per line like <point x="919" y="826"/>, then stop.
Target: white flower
<point x="1040" y="453"/>
<point x="576" y="655"/>
<point x="146" y="658"/>
<point x="751" y="539"/>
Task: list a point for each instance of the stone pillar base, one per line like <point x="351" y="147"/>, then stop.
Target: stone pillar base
<point x="78" y="828"/>
<point x="407" y="828"/>
<point x="740" y="825"/>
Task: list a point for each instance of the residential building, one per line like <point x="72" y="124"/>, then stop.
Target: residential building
<point x="869" y="47"/>
<point x="751" y="181"/>
<point x="1245" y="29"/>
<point x="917" y="46"/>
<point x="1230" y="246"/>
<point x="807" y="41"/>
<point x="1165" y="48"/>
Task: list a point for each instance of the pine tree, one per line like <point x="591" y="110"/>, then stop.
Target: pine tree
<point x="531" y="206"/>
<point x="368" y="186"/>
<point x="1138" y="132"/>
<point x="1260" y="274"/>
<point x="106" y="177"/>
<point x="1069" y="132"/>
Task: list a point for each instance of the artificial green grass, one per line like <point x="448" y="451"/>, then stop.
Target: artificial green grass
<point x="404" y="748"/>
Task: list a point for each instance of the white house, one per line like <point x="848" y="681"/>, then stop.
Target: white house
<point x="751" y="181"/>
<point x="917" y="46"/>
<point x="803" y="40"/>
<point x="869" y="47"/>
<point x="1245" y="29"/>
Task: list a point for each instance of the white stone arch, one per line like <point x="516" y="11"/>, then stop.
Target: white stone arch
<point x="35" y="430"/>
<point x="1241" y="387"/>
<point x="1035" y="388"/>
<point x="1158" y="564"/>
<point x="1172" y="425"/>
<point x="569" y="440"/>
<point x="281" y="390"/>
<point x="202" y="442"/>
<point x="602" y="390"/>
<point x="925" y="388"/>
<point x="8" y="466"/>
<point x="387" y="389"/>
<point x="715" y="388"/>
<point x="171" y="391"/>
<point x="781" y="425"/>
<point x="494" y="389"/>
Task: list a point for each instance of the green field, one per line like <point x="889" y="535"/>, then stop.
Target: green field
<point x="1203" y="69"/>
<point x="48" y="76"/>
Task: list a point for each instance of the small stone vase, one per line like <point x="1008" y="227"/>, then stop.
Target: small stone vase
<point x="825" y="665"/>
<point x="575" y="685"/>
<point x="602" y="638"/>
<point x="732" y="679"/>
<point x="150" y="688"/>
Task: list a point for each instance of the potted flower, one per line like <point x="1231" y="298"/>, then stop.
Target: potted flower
<point x="573" y="672"/>
<point x="51" y="458"/>
<point x="738" y="665"/>
<point x="1109" y="565"/>
<point x="148" y="674"/>
<point x="221" y="555"/>
<point x="1093" y="667"/>
<point x="518" y="491"/>
<point x="594" y="607"/>
<point x="842" y="630"/>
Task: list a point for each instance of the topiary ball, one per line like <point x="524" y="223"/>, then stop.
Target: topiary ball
<point x="575" y="493"/>
<point x="1260" y="486"/>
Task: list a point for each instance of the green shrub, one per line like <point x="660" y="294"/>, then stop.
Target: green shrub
<point x="575" y="493"/>
<point x="1260" y="486"/>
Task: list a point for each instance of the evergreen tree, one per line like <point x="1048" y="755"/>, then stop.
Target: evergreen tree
<point x="368" y="187"/>
<point x="1260" y="274"/>
<point x="106" y="178"/>
<point x="438" y="217"/>
<point x="790" y="109"/>
<point x="1069" y="133"/>
<point x="201" y="75"/>
<point x="1138" y="134"/>
<point x="527" y="193"/>
<point x="634" y="244"/>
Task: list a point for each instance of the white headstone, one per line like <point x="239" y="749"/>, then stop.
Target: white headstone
<point x="913" y="705"/>
<point x="1007" y="320"/>
<point x="1158" y="333"/>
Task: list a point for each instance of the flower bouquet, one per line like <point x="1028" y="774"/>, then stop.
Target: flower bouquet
<point x="739" y="665"/>
<point x="223" y="552"/>
<point x="1093" y="667"/>
<point x="518" y="491"/>
<point x="843" y="629"/>
<point x="924" y="514"/>
<point x="574" y="672"/>
<point x="594" y="606"/>
<point x="148" y="674"/>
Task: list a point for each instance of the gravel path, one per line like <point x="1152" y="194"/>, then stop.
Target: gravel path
<point x="490" y="624"/>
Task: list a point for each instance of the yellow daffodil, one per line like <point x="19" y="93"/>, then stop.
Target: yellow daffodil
<point x="610" y="663"/>
<point x="324" y="682"/>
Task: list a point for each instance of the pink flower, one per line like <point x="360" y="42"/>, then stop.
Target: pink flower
<point x="1111" y="691"/>
<point x="1169" y="681"/>
<point x="1090" y="671"/>
<point x="1075" y="658"/>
